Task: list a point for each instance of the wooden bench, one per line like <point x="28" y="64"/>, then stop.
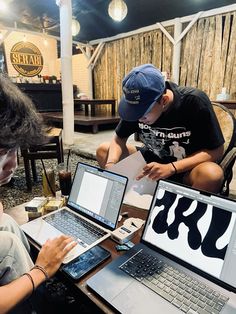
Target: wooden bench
<point x="93" y="104"/>
<point x="81" y="118"/>
<point x="88" y="113"/>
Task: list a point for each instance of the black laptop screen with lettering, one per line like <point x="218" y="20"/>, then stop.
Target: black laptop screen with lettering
<point x="196" y="228"/>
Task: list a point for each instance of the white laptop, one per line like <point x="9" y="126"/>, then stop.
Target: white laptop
<point x="91" y="213"/>
<point x="185" y="261"/>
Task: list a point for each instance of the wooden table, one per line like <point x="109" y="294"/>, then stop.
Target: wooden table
<point x="88" y="117"/>
<point x="93" y="103"/>
<point x="80" y="287"/>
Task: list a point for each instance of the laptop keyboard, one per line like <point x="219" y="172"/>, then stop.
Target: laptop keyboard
<point x="180" y="289"/>
<point x="75" y="226"/>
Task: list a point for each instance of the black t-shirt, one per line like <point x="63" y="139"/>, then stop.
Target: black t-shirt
<point x="189" y="125"/>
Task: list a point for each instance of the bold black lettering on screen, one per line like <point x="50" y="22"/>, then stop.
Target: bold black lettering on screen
<point x="218" y="225"/>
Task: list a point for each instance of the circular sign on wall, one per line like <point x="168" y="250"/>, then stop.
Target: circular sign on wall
<point x="26" y="58"/>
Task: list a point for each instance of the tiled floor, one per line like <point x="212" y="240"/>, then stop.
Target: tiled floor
<point x="87" y="143"/>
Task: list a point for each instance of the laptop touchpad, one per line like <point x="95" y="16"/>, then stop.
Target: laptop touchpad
<point x="40" y="231"/>
<point x="136" y="297"/>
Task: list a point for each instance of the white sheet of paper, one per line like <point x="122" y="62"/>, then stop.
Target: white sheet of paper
<point x="138" y="193"/>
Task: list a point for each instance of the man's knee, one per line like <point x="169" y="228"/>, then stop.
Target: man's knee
<point x="101" y="153"/>
<point x="102" y="149"/>
<point x="7" y="223"/>
<point x="14" y="258"/>
<point x="207" y="176"/>
<point x="210" y="171"/>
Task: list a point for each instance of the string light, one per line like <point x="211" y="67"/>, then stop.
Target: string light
<point x="117" y="10"/>
<point x="75" y="27"/>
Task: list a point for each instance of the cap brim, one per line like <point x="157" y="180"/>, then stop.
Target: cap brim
<point x="132" y="112"/>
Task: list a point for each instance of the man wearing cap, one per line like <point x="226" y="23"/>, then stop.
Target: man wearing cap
<point x="163" y="113"/>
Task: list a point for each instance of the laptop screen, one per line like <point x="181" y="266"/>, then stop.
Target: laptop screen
<point x="98" y="194"/>
<point x="196" y="227"/>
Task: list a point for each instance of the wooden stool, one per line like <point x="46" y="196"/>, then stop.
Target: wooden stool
<point x="51" y="150"/>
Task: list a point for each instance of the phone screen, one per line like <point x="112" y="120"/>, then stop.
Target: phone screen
<point x="86" y="262"/>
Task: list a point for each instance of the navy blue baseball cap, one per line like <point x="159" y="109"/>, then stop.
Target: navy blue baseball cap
<point x="142" y="87"/>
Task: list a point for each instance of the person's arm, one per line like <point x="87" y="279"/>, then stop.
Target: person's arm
<point x="156" y="171"/>
<point x="117" y="148"/>
<point x="49" y="260"/>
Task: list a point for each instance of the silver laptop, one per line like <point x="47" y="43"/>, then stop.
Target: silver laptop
<point x="185" y="261"/>
<point x="91" y="213"/>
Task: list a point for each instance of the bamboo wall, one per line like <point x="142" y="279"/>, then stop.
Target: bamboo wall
<point x="120" y="56"/>
<point x="208" y="58"/>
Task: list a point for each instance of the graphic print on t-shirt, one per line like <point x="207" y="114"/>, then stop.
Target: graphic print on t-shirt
<point x="165" y="143"/>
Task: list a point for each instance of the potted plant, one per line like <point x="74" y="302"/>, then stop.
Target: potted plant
<point x="54" y="79"/>
<point x="46" y="78"/>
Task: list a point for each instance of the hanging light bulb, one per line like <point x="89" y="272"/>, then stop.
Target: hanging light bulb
<point x="24" y="39"/>
<point x="75" y="27"/>
<point x="117" y="10"/>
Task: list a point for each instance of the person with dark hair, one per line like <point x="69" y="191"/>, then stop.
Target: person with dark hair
<point x="21" y="125"/>
<point x="163" y="113"/>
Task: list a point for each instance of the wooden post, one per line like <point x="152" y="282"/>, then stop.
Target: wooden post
<point x="90" y="77"/>
<point x="176" y="51"/>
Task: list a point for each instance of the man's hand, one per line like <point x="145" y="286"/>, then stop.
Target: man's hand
<point x="156" y="171"/>
<point x="53" y="252"/>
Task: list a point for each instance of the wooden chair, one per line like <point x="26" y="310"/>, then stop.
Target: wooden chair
<point x="228" y="128"/>
<point x="52" y="150"/>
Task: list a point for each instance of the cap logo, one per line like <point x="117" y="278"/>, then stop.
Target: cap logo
<point x="132" y="96"/>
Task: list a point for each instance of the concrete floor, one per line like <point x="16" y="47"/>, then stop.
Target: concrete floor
<point x="86" y="144"/>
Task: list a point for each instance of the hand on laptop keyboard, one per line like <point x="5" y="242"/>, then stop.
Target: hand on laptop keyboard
<point x="52" y="253"/>
<point x="72" y="254"/>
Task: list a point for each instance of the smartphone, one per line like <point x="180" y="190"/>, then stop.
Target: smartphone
<point x="86" y="262"/>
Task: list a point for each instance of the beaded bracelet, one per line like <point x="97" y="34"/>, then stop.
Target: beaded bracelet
<point x="174" y="167"/>
<point x="43" y="270"/>
<point x="32" y="281"/>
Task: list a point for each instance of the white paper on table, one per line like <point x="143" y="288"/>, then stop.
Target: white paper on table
<point x="138" y="193"/>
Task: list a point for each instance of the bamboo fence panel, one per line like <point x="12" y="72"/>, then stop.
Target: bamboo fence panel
<point x="231" y="60"/>
<point x="120" y="56"/>
<point x="208" y="59"/>
<point x="217" y="80"/>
